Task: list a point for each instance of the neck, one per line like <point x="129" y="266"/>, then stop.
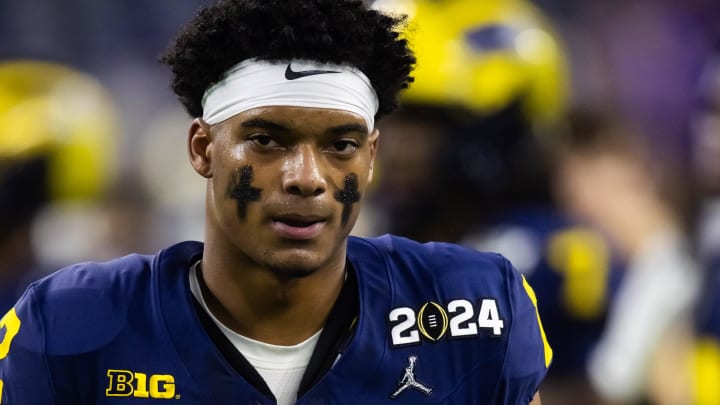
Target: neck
<point x="262" y="304"/>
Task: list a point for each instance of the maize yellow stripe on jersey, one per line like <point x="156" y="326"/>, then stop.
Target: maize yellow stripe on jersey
<point x="706" y="370"/>
<point x="546" y="345"/>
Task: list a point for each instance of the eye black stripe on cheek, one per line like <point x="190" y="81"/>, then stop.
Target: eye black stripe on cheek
<point x="348" y="196"/>
<point x="242" y="190"/>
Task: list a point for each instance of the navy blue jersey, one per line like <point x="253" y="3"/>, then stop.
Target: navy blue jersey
<point x="437" y="324"/>
<point x="708" y="309"/>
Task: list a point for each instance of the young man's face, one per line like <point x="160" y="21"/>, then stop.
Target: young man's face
<point x="285" y="184"/>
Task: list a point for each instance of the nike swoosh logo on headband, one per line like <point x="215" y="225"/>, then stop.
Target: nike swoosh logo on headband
<point x="292" y="75"/>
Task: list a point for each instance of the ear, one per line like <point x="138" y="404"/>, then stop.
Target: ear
<point x="373" y="144"/>
<point x="200" y="147"/>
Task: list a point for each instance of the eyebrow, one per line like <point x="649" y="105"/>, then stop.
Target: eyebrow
<point x="343" y="129"/>
<point x="265" y="124"/>
<point x="274" y="126"/>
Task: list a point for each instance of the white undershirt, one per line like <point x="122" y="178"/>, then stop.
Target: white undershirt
<point x="282" y="367"/>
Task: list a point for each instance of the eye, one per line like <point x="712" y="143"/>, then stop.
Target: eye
<point x="344" y="146"/>
<point x="264" y="141"/>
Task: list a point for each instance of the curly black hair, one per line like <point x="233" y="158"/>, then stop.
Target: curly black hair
<point x="327" y="31"/>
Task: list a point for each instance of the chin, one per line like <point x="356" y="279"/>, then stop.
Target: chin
<point x="295" y="264"/>
<point x="292" y="272"/>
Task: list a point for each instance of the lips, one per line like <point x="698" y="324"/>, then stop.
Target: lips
<point x="298" y="227"/>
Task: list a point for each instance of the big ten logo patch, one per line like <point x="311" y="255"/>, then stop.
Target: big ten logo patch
<point x="126" y="383"/>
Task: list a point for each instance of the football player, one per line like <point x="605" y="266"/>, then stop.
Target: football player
<point x="280" y="305"/>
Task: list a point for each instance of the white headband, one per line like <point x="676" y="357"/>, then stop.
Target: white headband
<point x="298" y="83"/>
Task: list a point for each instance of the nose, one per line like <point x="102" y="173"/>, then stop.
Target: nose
<point x="302" y="172"/>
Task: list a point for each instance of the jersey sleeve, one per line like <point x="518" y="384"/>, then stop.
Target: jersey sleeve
<point x="24" y="372"/>
<point x="528" y="354"/>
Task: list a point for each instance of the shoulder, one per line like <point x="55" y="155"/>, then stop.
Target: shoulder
<point x="456" y="280"/>
<point x="404" y="249"/>
<point x="439" y="261"/>
<point x="112" y="279"/>
<point x="81" y="306"/>
<point x="84" y="306"/>
<point x="92" y="276"/>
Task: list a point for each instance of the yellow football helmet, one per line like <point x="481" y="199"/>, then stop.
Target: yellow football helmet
<point x="52" y="110"/>
<point x="483" y="55"/>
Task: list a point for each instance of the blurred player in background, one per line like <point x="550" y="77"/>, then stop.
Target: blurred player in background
<point x="608" y="177"/>
<point x="494" y="74"/>
<point x="697" y="378"/>
<point x="468" y="160"/>
<point x="57" y="134"/>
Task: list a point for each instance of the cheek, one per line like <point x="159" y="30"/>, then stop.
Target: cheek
<point x="229" y="159"/>
<point x="242" y="189"/>
<point x="362" y="178"/>
<point x="363" y="170"/>
<point x="233" y="154"/>
<point x="235" y="179"/>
